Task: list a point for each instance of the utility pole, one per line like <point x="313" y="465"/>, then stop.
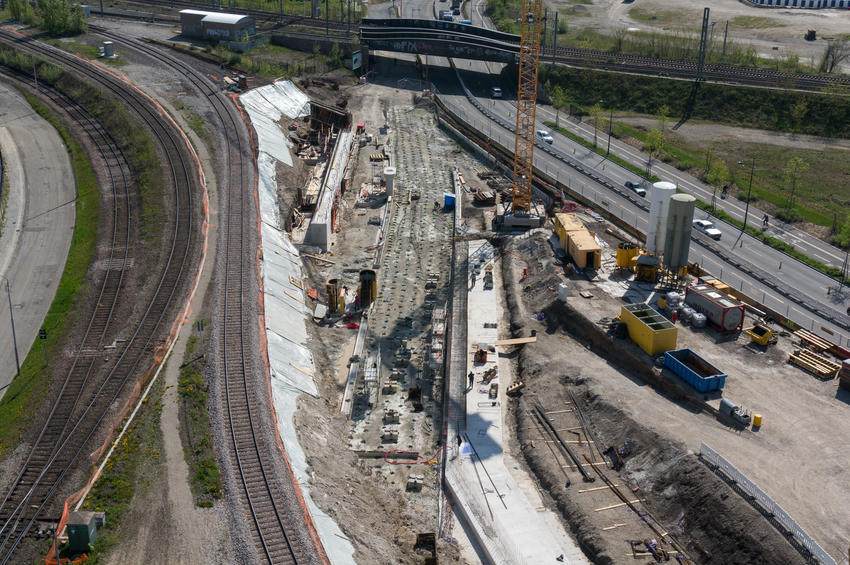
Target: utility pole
<point x="725" y="35"/>
<point x="12" y="317"/>
<point x="610" y="127"/>
<point x="749" y="190"/>
<point x="702" y="43"/>
<point x="545" y="19"/>
<point x="554" y="38"/>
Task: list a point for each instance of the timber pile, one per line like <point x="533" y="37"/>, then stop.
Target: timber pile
<point x="814" y="342"/>
<point x="816" y="364"/>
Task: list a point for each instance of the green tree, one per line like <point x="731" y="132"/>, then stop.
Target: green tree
<point x="653" y="146"/>
<point x="794" y="169"/>
<point x="55" y="16"/>
<point x="559" y="100"/>
<point x="662" y="115"/>
<point x="718" y="174"/>
<point x="837" y="51"/>
<point x="335" y="56"/>
<point x="77" y="23"/>
<point x="16" y="9"/>
<point x="798" y="112"/>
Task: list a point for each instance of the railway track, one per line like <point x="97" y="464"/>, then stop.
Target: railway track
<point x="94" y="383"/>
<point x="279" y="18"/>
<point x="275" y="523"/>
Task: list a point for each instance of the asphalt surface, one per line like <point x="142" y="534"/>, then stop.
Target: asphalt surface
<point x="39" y="224"/>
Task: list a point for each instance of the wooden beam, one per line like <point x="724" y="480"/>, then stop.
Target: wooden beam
<point x="619" y="505"/>
<point x="613" y="526"/>
<point x="516" y="341"/>
<point x="597" y="488"/>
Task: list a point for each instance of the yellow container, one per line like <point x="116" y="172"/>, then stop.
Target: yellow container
<point x="662" y="302"/>
<point x="651" y="331"/>
<point x="626" y="252"/>
<point x="756" y="420"/>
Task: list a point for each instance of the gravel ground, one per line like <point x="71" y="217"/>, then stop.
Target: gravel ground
<point x="786" y="33"/>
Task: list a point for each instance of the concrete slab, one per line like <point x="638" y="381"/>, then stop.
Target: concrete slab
<point x="507" y="523"/>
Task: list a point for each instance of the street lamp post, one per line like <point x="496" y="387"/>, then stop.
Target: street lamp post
<point x="12" y="317"/>
<point x="610" y="126"/>
<point x="749" y="189"/>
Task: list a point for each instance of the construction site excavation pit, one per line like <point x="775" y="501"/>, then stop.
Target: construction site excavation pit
<point x="375" y="444"/>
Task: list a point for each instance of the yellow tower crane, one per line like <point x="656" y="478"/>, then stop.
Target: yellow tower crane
<point x="526" y="105"/>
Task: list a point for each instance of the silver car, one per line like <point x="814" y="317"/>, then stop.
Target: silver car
<point x="708" y="229"/>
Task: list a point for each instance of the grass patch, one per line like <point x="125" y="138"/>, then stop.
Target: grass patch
<point x="86" y="51"/>
<point x="754" y="22"/>
<point x="613" y="158"/>
<point x="26" y="392"/>
<point x="664" y="16"/>
<point x="4" y="202"/>
<point x="196" y="122"/>
<point x="822" y="193"/>
<point x="195" y="427"/>
<point x="132" y="469"/>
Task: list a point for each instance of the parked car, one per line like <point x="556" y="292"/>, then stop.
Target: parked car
<point x="495" y="92"/>
<point x="544" y="135"/>
<point x="636" y="187"/>
<point x="708" y="229"/>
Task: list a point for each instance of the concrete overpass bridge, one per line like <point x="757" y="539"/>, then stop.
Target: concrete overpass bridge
<point x="439" y="38"/>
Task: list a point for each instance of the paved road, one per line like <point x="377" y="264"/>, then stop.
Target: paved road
<point x="39" y="223"/>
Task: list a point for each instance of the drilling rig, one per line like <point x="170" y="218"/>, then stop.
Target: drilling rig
<point x="522" y="214"/>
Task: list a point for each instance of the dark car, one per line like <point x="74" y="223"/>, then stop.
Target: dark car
<point x="636" y="187"/>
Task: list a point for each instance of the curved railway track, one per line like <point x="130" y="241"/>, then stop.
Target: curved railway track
<point x="251" y="458"/>
<point x="94" y="384"/>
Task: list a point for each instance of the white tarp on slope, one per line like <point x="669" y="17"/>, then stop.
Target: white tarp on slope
<point x="266" y="106"/>
<point x="286" y="315"/>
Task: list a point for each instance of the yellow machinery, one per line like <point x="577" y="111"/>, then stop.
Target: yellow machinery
<point x="719" y="285"/>
<point x="760" y="334"/>
<point x="646" y="268"/>
<point x="336" y="296"/>
<point x="526" y="105"/>
<point x="626" y="252"/>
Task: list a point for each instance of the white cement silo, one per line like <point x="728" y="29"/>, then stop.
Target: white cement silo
<point x="677" y="241"/>
<point x="659" y="202"/>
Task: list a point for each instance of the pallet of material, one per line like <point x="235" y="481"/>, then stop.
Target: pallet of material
<point x="377" y="157"/>
<point x="816" y="364"/>
<point x="813" y="341"/>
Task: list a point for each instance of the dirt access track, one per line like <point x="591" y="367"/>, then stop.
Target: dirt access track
<point x="790" y="457"/>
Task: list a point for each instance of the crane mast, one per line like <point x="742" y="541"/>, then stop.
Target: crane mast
<point x="526" y="105"/>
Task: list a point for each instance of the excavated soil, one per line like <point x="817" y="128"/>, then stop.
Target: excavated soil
<point x="689" y="500"/>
